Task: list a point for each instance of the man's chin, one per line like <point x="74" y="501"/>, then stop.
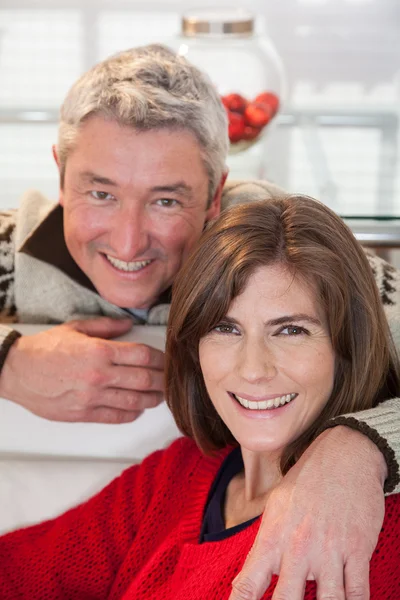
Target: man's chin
<point x="126" y="290"/>
<point x="124" y="300"/>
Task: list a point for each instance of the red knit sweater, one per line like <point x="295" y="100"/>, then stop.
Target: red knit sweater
<point x="138" y="539"/>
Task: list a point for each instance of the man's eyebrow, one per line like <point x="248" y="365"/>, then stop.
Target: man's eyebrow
<point x="95" y="178"/>
<point x="293" y="318"/>
<point x="180" y="187"/>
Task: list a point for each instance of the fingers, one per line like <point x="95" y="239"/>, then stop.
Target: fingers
<point x="102" y="327"/>
<point x="107" y="406"/>
<point x="127" y="400"/>
<point x="356" y="578"/>
<point x="330" y="581"/>
<point x="292" y="581"/>
<point x="256" y="574"/>
<point x="244" y="588"/>
<point x="113" y="416"/>
<point x="116" y="352"/>
<point x="333" y="583"/>
<point x="136" y="378"/>
<point x="129" y="353"/>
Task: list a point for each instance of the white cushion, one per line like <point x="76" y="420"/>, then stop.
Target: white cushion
<point x="47" y="467"/>
<point x="32" y="490"/>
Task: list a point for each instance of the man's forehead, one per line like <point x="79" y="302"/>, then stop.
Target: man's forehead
<point x="97" y="124"/>
<point x="160" y="160"/>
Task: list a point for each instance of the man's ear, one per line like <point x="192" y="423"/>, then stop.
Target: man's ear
<point x="215" y="207"/>
<point x="55" y="155"/>
<point x="57" y="161"/>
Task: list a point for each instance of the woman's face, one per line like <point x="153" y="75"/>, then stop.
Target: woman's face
<point x="269" y="364"/>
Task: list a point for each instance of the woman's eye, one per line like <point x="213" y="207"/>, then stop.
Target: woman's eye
<point x="167" y="202"/>
<point x="101" y="195"/>
<point x="294" y="330"/>
<point x="226" y="328"/>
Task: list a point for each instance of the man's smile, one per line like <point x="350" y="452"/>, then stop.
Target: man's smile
<point x="129" y="267"/>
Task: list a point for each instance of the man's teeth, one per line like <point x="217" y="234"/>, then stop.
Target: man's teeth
<point x="127" y="266"/>
<point x="265" y="404"/>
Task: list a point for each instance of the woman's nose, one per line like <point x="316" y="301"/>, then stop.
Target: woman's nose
<point x="257" y="362"/>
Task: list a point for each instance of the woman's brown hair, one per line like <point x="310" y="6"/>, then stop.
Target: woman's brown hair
<point x="316" y="245"/>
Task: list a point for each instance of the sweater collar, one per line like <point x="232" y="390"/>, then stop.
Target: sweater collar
<point x="47" y="243"/>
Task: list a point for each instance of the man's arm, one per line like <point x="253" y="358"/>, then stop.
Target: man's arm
<point x="72" y="372"/>
<point x="382" y="426"/>
<point x="322" y="522"/>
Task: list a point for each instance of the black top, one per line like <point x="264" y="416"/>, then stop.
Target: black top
<point x="213" y="528"/>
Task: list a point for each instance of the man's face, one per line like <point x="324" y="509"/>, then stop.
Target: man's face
<point x="134" y="205"/>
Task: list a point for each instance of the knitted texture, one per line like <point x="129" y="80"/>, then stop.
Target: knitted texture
<point x="138" y="539"/>
<point x="370" y="422"/>
<point x="7" y="245"/>
<point x="7" y="339"/>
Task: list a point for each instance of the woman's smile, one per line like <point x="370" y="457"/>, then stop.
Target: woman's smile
<point x="266" y="403"/>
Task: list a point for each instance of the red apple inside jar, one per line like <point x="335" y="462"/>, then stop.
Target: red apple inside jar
<point x="247" y="117"/>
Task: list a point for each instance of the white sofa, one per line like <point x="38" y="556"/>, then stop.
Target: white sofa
<point x="46" y="467"/>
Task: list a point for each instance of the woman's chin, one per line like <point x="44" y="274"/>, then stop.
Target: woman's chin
<point x="262" y="446"/>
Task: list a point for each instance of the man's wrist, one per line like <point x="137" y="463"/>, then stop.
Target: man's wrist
<point x="352" y="439"/>
<point x="7" y="342"/>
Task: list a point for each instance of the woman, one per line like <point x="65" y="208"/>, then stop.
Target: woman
<point x="276" y="326"/>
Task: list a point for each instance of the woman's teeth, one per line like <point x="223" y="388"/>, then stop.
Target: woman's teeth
<point x="265" y="404"/>
<point x="127" y="266"/>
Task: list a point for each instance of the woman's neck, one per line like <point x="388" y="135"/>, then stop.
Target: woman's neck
<point x="248" y="491"/>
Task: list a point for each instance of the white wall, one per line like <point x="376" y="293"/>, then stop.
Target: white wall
<point x="342" y="58"/>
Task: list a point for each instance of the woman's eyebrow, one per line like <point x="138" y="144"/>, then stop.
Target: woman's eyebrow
<point x="230" y="319"/>
<point x="282" y="320"/>
<point x="295" y="317"/>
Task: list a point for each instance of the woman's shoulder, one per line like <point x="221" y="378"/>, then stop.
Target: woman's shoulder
<point x="389" y="538"/>
<point x="392" y="507"/>
<point x="185" y="452"/>
<point x="384" y="579"/>
<point x="184" y="457"/>
<point x="181" y="453"/>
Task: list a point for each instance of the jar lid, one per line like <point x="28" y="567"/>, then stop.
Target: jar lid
<point x="217" y="22"/>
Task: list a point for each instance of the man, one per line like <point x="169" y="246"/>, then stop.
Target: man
<point x="141" y="154"/>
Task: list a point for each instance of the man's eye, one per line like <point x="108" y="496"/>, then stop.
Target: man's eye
<point x="167" y="202"/>
<point x="101" y="195"/>
<point x="294" y="330"/>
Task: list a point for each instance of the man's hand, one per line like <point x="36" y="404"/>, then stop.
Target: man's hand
<point x="321" y="522"/>
<point x="72" y="372"/>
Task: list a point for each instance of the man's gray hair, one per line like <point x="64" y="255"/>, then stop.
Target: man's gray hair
<point x="149" y="87"/>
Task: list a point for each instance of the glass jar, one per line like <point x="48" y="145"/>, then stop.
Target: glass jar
<point x="246" y="70"/>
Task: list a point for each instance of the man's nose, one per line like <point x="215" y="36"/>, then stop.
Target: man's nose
<point x="257" y="362"/>
<point x="129" y="236"/>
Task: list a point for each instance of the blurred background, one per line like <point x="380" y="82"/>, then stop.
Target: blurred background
<point x="336" y="136"/>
